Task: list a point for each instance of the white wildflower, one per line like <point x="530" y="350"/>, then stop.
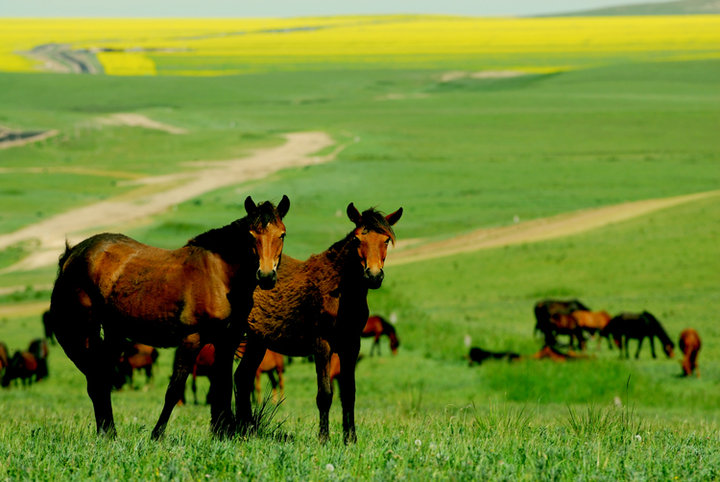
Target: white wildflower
<point x="330" y="467"/>
<point x="418" y="442"/>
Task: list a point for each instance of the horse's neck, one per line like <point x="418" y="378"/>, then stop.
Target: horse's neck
<point x="345" y="267"/>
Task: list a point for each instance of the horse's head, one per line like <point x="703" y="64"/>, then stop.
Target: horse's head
<point x="373" y="232"/>
<point x="268" y="232"/>
<point x="668" y="349"/>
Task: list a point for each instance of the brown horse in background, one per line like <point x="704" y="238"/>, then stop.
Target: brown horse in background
<point x="544" y="311"/>
<point x="39" y="348"/>
<point x="566" y="324"/>
<point x="272" y="363"/>
<point x="690" y="346"/>
<point x="319" y="307"/>
<point x="4" y="358"/>
<point x="377" y="326"/>
<point x="638" y="326"/>
<point x="22" y="366"/>
<point x="111" y="288"/>
<point x="592" y="322"/>
<point x="134" y="356"/>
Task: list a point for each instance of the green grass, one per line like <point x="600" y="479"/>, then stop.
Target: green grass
<point x="457" y="157"/>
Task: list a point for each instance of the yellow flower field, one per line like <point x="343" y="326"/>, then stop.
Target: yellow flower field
<point x="231" y="46"/>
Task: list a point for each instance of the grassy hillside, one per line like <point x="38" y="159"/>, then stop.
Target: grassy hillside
<point x="457" y="153"/>
<point x="681" y="7"/>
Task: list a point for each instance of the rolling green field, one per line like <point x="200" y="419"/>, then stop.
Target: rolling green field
<point x="456" y="155"/>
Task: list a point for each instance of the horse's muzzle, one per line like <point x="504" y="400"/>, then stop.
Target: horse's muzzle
<point x="374" y="280"/>
<point x="266" y="281"/>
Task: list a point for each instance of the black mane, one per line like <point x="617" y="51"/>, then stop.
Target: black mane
<point x="229" y="240"/>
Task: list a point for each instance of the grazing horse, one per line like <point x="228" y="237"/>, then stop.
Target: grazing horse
<point x="478" y="355"/>
<point x="47" y="327"/>
<point x="134" y="356"/>
<point x="592" y="321"/>
<point x="39" y="348"/>
<point x="690" y="346"/>
<point x="377" y="326"/>
<point x="4" y="359"/>
<point x="23" y="365"/>
<point x="319" y="307"/>
<point x="544" y="311"/>
<point x="637" y="326"/>
<point x="566" y="324"/>
<point x="111" y="288"/>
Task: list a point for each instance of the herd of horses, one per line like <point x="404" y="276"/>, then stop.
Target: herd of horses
<point x="24" y="366"/>
<point x="231" y="293"/>
<point x="111" y="290"/>
<point x="574" y="319"/>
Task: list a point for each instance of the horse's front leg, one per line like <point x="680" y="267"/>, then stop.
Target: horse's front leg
<point x="103" y="355"/>
<point x="325" y="389"/>
<point x="652" y="346"/>
<point x="348" y="359"/>
<point x="244" y="378"/>
<point x="222" y="420"/>
<point x="184" y="359"/>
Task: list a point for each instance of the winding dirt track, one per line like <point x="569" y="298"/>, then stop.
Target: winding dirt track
<point x="49" y="235"/>
<point x="566" y="224"/>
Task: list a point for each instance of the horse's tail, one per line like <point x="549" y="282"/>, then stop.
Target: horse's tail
<point x="64" y="257"/>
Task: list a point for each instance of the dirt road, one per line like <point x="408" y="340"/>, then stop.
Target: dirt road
<point x="49" y="235"/>
<point x="565" y="224"/>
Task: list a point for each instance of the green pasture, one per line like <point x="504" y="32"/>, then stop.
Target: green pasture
<point x="456" y="156"/>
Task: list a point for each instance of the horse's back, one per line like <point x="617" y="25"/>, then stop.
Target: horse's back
<point x="689" y="340"/>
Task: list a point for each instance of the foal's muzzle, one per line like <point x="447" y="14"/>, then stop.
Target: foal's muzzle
<point x="373" y="280"/>
<point x="265" y="280"/>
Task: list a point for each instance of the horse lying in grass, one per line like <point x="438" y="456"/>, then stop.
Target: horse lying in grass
<point x="319" y="307"/>
<point x="111" y="288"/>
<point x="478" y="355"/>
<point x="690" y="346"/>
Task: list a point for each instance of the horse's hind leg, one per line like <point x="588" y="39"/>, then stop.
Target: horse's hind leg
<point x="80" y="338"/>
<point x="184" y="357"/>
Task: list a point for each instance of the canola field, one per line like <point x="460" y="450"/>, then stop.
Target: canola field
<point x="237" y="46"/>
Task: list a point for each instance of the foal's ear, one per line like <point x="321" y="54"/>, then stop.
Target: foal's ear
<point x="394" y="217"/>
<point x="354" y="214"/>
<point x="283" y="206"/>
<point x="250" y="206"/>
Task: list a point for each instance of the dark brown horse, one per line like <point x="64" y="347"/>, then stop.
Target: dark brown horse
<point x="377" y="326"/>
<point x="4" y="358"/>
<point x="544" y="311"/>
<point x="39" y="348"/>
<point x="638" y="326"/>
<point x="22" y="366"/>
<point x="111" y="288"/>
<point x="134" y="356"/>
<point x="319" y="307"/>
<point x="690" y="346"/>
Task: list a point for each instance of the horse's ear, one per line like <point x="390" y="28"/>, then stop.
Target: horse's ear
<point x="283" y="206"/>
<point x="250" y="206"/>
<point x="354" y="214"/>
<point x="394" y="217"/>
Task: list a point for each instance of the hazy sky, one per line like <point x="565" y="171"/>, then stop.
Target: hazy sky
<point x="288" y="8"/>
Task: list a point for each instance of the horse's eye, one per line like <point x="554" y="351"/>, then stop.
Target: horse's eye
<point x="282" y="236"/>
<point x="387" y="241"/>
